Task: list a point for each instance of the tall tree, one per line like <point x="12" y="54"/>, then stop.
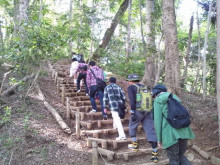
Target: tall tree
<point x="1" y="36"/>
<point x="199" y="53"/>
<point x="204" y="51"/>
<point x="109" y="32"/>
<point x="218" y="65"/>
<point x="149" y="73"/>
<point x="128" y="41"/>
<point x="23" y="17"/>
<point x="172" y="63"/>
<point x="70" y="27"/>
<point x="187" y="52"/>
<point x="142" y="32"/>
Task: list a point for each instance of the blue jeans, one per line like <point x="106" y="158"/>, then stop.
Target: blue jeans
<point x="92" y="92"/>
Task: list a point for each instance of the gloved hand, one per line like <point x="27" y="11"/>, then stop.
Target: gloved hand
<point x="133" y="116"/>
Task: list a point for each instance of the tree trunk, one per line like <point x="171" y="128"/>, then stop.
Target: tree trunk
<point x="204" y="51"/>
<point x="199" y="54"/>
<point x="187" y="52"/>
<point x="70" y="28"/>
<point x="218" y="65"/>
<point x="172" y="63"/>
<point x="158" y="62"/>
<point x="16" y="17"/>
<point x="128" y="42"/>
<point x="109" y="32"/>
<point x="149" y="73"/>
<point x="23" y="15"/>
<point x="142" y="33"/>
<point x="92" y="31"/>
<point x="40" y="12"/>
<point x="1" y="37"/>
<point x="16" y="85"/>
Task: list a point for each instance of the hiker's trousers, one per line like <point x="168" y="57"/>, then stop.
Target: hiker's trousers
<point x="117" y="124"/>
<point x="147" y="124"/>
<point x="176" y="152"/>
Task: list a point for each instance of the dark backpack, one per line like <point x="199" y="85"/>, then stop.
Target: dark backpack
<point x="101" y="84"/>
<point x="177" y="115"/>
<point x="83" y="68"/>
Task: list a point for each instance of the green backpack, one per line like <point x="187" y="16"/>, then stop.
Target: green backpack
<point x="143" y="99"/>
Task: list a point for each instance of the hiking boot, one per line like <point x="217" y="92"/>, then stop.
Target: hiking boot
<point x="93" y="111"/>
<point x="154" y="157"/>
<point x="105" y="117"/>
<point x="133" y="146"/>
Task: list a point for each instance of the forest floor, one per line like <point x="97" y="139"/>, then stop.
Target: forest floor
<point x="31" y="136"/>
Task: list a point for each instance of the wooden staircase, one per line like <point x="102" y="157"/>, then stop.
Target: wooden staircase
<point x="98" y="133"/>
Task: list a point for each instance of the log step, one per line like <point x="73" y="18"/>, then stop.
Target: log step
<point x="100" y="123"/>
<point x="105" y="142"/>
<point x="106" y="132"/>
<point x="79" y="98"/>
<point x="69" y="94"/>
<point x="83" y="103"/>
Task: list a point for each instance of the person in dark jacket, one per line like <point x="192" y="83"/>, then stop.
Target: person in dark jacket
<point x="138" y="117"/>
<point x="172" y="139"/>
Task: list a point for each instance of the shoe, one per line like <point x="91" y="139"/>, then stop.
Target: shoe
<point x="78" y="91"/>
<point x="105" y="117"/>
<point x="154" y="157"/>
<point x="120" y="138"/>
<point x="133" y="146"/>
<point x="93" y="111"/>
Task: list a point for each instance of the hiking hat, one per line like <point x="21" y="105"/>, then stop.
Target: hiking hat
<point x="133" y="77"/>
<point x="158" y="88"/>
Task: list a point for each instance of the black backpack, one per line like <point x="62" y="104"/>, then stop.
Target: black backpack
<point x="101" y="84"/>
<point x="177" y="115"/>
<point x="83" y="68"/>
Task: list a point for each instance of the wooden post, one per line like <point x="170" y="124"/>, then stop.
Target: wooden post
<point x="63" y="95"/>
<point x="58" y="88"/>
<point x="99" y="123"/>
<point x="68" y="108"/>
<point x="56" y="75"/>
<point x="104" y="144"/>
<point x="94" y="153"/>
<point x="77" y="125"/>
<point x="53" y="74"/>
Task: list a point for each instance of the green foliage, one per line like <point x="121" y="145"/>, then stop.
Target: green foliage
<point x="5" y="115"/>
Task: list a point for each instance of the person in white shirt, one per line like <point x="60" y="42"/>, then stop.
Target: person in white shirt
<point x="73" y="69"/>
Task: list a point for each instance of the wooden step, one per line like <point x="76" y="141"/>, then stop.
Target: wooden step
<point x="87" y="108"/>
<point x="79" y="98"/>
<point x="105" y="142"/>
<point x="83" y="103"/>
<point x="105" y="132"/>
<point x="100" y="123"/>
<point x="69" y="94"/>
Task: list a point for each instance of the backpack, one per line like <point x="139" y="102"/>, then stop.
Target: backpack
<point x="177" y="115"/>
<point x="83" y="68"/>
<point x="100" y="83"/>
<point x="143" y="99"/>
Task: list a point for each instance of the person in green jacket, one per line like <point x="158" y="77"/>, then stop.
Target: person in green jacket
<point x="169" y="138"/>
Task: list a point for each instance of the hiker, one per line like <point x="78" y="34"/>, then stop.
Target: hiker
<point x="143" y="117"/>
<point x="82" y="70"/>
<point x="92" y="73"/>
<point x="73" y="69"/>
<point x="113" y="94"/>
<point x="172" y="139"/>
